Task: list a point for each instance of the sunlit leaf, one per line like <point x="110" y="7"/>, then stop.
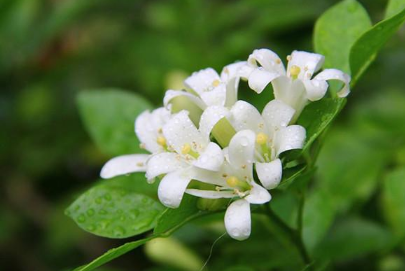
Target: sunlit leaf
<point x="394" y="7"/>
<point x="337" y="30"/>
<point x="367" y="46"/>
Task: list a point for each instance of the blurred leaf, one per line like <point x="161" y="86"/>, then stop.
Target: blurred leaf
<point x="173" y="218"/>
<point x="393" y="199"/>
<point x="114" y="212"/>
<point x="318" y="216"/>
<point x="171" y="252"/>
<point x="135" y="182"/>
<point x="109" y="117"/>
<point x="394" y="7"/>
<point x="332" y="41"/>
<point x="354" y="237"/>
<point x="113" y="254"/>
<point x="367" y="46"/>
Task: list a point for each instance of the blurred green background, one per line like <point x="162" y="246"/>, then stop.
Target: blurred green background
<point x="50" y="50"/>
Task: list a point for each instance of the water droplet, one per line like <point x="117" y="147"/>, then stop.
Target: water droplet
<point x="244" y="141"/>
<point x="81" y="218"/>
<point x="77" y="208"/>
<point x="119" y="232"/>
<point x="102" y="212"/>
<point x="133" y="213"/>
<point x="91" y="227"/>
<point x="90" y="212"/>
<point x="122" y="218"/>
<point x="98" y="200"/>
<point x="235" y="232"/>
<point x="107" y="197"/>
<point x="104" y="224"/>
<point x="145" y="201"/>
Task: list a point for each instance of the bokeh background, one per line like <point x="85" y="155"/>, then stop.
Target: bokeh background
<point x="50" y="50"/>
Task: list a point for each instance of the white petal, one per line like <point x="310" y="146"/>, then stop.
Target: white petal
<point x="172" y="187"/>
<point x="180" y="130"/>
<point x="269" y="173"/>
<point x="147" y="126"/>
<point x="231" y="70"/>
<point x="237" y="220"/>
<point x="215" y="96"/>
<point x="202" y="80"/>
<point x="277" y="114"/>
<point x="260" y="78"/>
<point x="245" y="116"/>
<point x="210" y="194"/>
<point x="207" y="176"/>
<point x="171" y="94"/>
<point x="164" y="163"/>
<point x="209" y="118"/>
<point x="289" y="138"/>
<point x="211" y="158"/>
<point x="258" y="195"/>
<point x="269" y="60"/>
<point x="124" y="164"/>
<point x="291" y="92"/>
<point x="316" y="89"/>
<point x="333" y="74"/>
<point x="241" y="152"/>
<point x="309" y="63"/>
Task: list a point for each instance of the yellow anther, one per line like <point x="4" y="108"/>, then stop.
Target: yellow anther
<point x="278" y="61"/>
<point x="232" y="181"/>
<point x="186" y="149"/>
<point x="161" y="140"/>
<point x="261" y="138"/>
<point x="216" y="83"/>
<point x="140" y="164"/>
<point x="289" y="58"/>
<point x="294" y="71"/>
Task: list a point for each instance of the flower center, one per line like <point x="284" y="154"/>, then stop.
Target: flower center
<point x="234" y="182"/>
<point x="262" y="140"/>
<point x="186" y="149"/>
<point x="295" y="71"/>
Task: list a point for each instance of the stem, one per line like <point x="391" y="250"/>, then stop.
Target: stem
<point x="294" y="235"/>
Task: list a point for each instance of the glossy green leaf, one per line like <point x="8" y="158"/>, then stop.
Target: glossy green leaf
<point x="367" y="46"/>
<point x="114" y="212"/>
<point x="113" y="254"/>
<point x="354" y="237"/>
<point x="109" y="117"/>
<point x="337" y="30"/>
<point x="394" y="7"/>
<point x="173" y="218"/>
<point x="317" y="116"/>
<point x="394" y="201"/>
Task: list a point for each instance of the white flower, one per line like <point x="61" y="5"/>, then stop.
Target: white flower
<point x="297" y="85"/>
<point x="189" y="153"/>
<point x="273" y="134"/>
<point x="148" y="128"/>
<point x="207" y="88"/>
<point x="235" y="180"/>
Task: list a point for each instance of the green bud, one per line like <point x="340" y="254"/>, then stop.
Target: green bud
<point x="180" y="103"/>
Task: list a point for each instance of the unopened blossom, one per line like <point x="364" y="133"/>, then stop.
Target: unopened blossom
<point x="206" y="87"/>
<point x="148" y="128"/>
<point x="296" y="85"/>
<point x="235" y="180"/>
<point x="189" y="152"/>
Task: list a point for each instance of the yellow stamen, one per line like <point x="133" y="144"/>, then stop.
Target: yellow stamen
<point x="216" y="83"/>
<point x="161" y="140"/>
<point x="295" y="71"/>
<point x="232" y="181"/>
<point x="186" y="149"/>
<point x="261" y="138"/>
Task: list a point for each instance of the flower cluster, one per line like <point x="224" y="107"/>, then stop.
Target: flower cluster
<point x="207" y="143"/>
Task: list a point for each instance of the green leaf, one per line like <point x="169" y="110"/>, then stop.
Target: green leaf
<point x="109" y="117"/>
<point x="394" y="7"/>
<point x="354" y="237"/>
<point x="366" y="47"/>
<point x="337" y="30"/>
<point x="174" y="218"/>
<point x="394" y="201"/>
<point x="113" y="254"/>
<point x="114" y="212"/>
<point x="317" y="116"/>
